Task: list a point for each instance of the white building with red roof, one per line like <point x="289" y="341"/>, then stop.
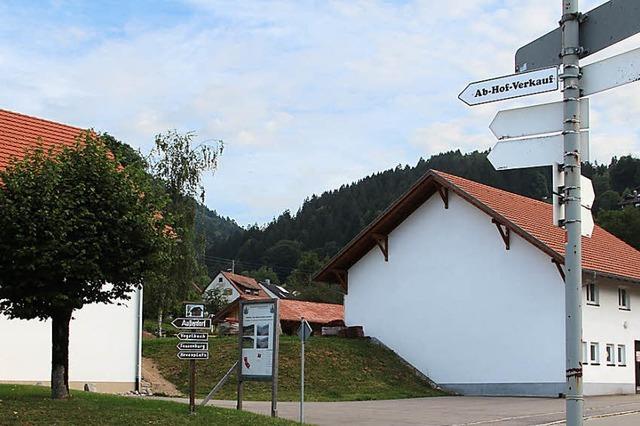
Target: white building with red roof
<point x="466" y="282"/>
<point x="234" y="285"/>
<point x="105" y="340"/>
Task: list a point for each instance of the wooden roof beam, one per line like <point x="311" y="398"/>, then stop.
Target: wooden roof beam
<point x="560" y="269"/>
<point x="342" y="276"/>
<point x="444" y="194"/>
<point x="505" y="233"/>
<point x="383" y="243"/>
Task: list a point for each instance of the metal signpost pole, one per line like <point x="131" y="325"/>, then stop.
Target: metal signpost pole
<point x="573" y="249"/>
<point x="239" y="373"/>
<point x="302" y="371"/>
<point x="276" y="356"/>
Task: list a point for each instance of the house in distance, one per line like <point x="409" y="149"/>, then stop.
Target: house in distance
<point x="482" y="274"/>
<point x="238" y="287"/>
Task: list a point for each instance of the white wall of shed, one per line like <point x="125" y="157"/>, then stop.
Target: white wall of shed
<point x="456" y="304"/>
<point x="103" y="345"/>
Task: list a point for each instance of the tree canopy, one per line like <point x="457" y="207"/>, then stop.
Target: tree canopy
<point x="76" y="228"/>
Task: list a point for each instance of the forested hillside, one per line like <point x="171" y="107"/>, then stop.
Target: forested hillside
<point x="294" y="245"/>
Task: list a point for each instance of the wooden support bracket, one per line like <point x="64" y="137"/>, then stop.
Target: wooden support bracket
<point x="444" y="194"/>
<point x="560" y="269"/>
<point x="505" y="233"/>
<point x="342" y="277"/>
<point x="383" y="243"/>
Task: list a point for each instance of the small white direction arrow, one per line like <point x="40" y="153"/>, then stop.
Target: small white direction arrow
<point x="533" y="152"/>
<point x="611" y="72"/>
<point x="510" y="86"/>
<point x="534" y="120"/>
<point x="587" y="194"/>
<point x="586" y="222"/>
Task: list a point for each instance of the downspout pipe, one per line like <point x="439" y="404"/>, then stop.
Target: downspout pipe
<point x="139" y="342"/>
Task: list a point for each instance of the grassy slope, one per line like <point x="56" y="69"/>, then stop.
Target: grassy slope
<point x="31" y="405"/>
<point x="335" y="369"/>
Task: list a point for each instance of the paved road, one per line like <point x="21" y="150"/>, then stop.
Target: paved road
<point x="461" y="411"/>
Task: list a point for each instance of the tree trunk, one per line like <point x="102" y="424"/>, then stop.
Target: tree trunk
<point x="60" y="355"/>
<point x="160" y="322"/>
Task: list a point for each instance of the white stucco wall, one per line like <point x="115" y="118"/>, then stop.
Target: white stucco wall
<point x="457" y="305"/>
<point x="223" y="285"/>
<point x="605" y="324"/>
<point x="103" y="346"/>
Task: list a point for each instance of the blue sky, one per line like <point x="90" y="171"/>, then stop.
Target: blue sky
<point x="307" y="95"/>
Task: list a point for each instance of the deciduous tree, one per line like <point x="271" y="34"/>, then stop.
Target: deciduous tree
<point x="76" y="228"/>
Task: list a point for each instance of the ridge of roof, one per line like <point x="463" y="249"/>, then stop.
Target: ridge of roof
<point x="529" y="218"/>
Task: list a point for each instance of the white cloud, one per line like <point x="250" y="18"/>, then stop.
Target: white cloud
<point x="307" y="95"/>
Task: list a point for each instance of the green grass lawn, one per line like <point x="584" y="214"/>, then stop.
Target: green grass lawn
<point x="31" y="405"/>
<point x="336" y="369"/>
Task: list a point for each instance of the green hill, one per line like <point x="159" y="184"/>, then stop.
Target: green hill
<point x="293" y="246"/>
<point x="336" y="369"/>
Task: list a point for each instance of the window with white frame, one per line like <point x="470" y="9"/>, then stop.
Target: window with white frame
<point x="594" y="353"/>
<point x="585" y="353"/>
<point x="623" y="299"/>
<point x="611" y="359"/>
<point x="227" y="292"/>
<point x="622" y="356"/>
<point x="592" y="294"/>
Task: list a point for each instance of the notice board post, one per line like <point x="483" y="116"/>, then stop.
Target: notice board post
<point x="258" y="343"/>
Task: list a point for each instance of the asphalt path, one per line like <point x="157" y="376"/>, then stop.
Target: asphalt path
<point x="456" y="410"/>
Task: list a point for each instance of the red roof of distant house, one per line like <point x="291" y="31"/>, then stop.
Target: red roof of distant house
<point x="529" y="218"/>
<point x="314" y="312"/>
<point x="242" y="282"/>
<point x="19" y="132"/>
<point x="290" y="310"/>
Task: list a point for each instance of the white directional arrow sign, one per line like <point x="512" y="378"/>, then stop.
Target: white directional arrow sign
<point x="611" y="72"/>
<point x="533" y="152"/>
<point x="534" y="120"/>
<point x="587" y="195"/>
<point x="586" y="222"/>
<point x="510" y="86"/>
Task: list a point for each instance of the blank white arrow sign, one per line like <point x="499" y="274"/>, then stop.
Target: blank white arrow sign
<point x="533" y="152"/>
<point x="611" y="72"/>
<point x="534" y="120"/>
<point x="586" y="222"/>
<point x="587" y="194"/>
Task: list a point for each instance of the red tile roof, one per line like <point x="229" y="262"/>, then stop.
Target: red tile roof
<point x="290" y="310"/>
<point x="314" y="312"/>
<point x="603" y="252"/>
<point x="529" y="218"/>
<point x="242" y="282"/>
<point x="19" y="132"/>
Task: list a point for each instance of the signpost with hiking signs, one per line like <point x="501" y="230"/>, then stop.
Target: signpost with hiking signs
<point x="556" y="135"/>
<point x="194" y="342"/>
